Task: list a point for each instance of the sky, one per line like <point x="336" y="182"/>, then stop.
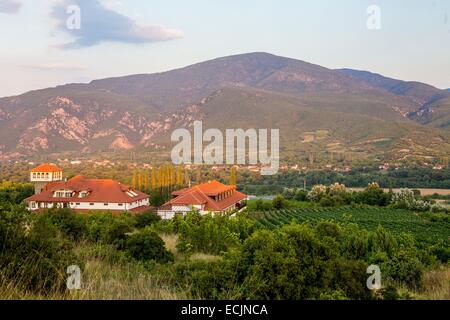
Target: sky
<point x="45" y="43"/>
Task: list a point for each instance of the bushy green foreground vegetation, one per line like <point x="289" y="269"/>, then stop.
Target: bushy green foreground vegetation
<point x="324" y="254"/>
<point x="210" y="258"/>
<point x="430" y="230"/>
<point x="13" y="192"/>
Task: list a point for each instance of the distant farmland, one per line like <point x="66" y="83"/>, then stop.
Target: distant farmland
<point x="423" y="191"/>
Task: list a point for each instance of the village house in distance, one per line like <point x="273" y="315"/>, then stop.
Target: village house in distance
<point x="212" y="197"/>
<point x="82" y="194"/>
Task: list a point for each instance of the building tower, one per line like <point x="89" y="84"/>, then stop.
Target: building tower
<point x="44" y="174"/>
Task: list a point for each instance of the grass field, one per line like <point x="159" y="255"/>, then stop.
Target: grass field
<point x="427" y="229"/>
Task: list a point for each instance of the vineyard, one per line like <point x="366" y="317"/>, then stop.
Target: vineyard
<point x="425" y="230"/>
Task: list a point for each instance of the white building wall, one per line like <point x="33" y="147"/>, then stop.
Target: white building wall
<point x="166" y="215"/>
<point x="170" y="214"/>
<point x="93" y="205"/>
<point x="110" y="206"/>
<point x="42" y="176"/>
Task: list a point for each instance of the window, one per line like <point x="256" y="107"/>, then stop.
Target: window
<point x="33" y="205"/>
<point x="106" y="204"/>
<point x="83" y="194"/>
<point x="132" y="194"/>
<point x="120" y="204"/>
<point x="78" y="204"/>
<point x="91" y="204"/>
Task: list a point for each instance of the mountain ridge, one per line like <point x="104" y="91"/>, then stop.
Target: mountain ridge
<point x="138" y="111"/>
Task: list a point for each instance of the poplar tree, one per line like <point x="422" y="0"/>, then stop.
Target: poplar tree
<point x="154" y="179"/>
<point x="173" y="177"/>
<point x="134" y="182"/>
<point x="233" y="176"/>
<point x="146" y="181"/>
<point x="180" y="181"/>
<point x="187" y="177"/>
<point x="141" y="181"/>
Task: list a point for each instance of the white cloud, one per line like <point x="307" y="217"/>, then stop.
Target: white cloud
<point x="10" y="6"/>
<point x="101" y="24"/>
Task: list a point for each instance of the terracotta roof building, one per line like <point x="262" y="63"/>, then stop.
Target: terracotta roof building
<point x="83" y="194"/>
<point x="46" y="167"/>
<point x="44" y="174"/>
<point x="213" y="197"/>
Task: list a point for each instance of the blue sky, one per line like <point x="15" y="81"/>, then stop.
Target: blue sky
<point x="141" y="36"/>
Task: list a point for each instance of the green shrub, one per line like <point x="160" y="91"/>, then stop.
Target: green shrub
<point x="331" y="201"/>
<point x="279" y="202"/>
<point x="147" y="218"/>
<point x="295" y="194"/>
<point x="210" y="234"/>
<point x="147" y="245"/>
<point x="261" y="205"/>
<point x="294" y="262"/>
<point x="69" y="223"/>
<point x="213" y="280"/>
<point x="15" y="192"/>
<point x="373" y="197"/>
<point x="108" y="229"/>
<point x="32" y="258"/>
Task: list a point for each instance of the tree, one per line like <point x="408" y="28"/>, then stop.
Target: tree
<point x="146" y="181"/>
<point x="233" y="176"/>
<point x="140" y="181"/>
<point x="146" y="218"/>
<point x="172" y="175"/>
<point x="180" y="177"/>
<point x="317" y="192"/>
<point x="154" y="179"/>
<point x="134" y="182"/>
<point x="279" y="202"/>
<point x="147" y="245"/>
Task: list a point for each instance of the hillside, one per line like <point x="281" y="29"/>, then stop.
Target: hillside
<point x="316" y="108"/>
<point x="436" y="114"/>
<point x="179" y="88"/>
<point x="419" y="94"/>
<point x="323" y="124"/>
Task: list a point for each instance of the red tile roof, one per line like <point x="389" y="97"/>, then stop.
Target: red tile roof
<point x="47" y="167"/>
<point x="100" y="191"/>
<point x="203" y="195"/>
<point x="213" y="188"/>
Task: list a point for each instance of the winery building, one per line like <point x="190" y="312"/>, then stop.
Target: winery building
<point x="82" y="194"/>
<point x="212" y="197"/>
